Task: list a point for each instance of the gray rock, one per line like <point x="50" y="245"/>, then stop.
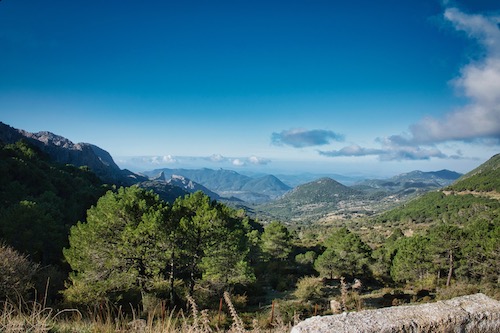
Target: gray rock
<point x="472" y="313"/>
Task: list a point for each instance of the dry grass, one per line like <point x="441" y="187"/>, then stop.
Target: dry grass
<point x="36" y="318"/>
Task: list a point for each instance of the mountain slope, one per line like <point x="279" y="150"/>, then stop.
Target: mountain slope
<point x="451" y="205"/>
<point x="190" y="186"/>
<point x="40" y="200"/>
<point x="414" y="182"/>
<point x="485" y="177"/>
<point x="324" y="190"/>
<point x="312" y="201"/>
<point x="62" y="150"/>
<point x="269" y="184"/>
<point x="228" y="183"/>
<point x="167" y="192"/>
<point x="215" y="180"/>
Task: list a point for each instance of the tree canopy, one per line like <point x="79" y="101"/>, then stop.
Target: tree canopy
<point x="345" y="255"/>
<point x="132" y="240"/>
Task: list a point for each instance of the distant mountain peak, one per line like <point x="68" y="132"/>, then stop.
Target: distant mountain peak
<point x="179" y="177"/>
<point x="50" y="138"/>
<point x="229" y="183"/>
<point x="190" y="186"/>
<point x="161" y="176"/>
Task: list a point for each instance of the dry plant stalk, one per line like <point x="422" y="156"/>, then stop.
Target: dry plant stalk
<point x="278" y="321"/>
<point x="237" y="322"/>
<point x="343" y="293"/>
<point x="194" y="309"/>
<point x="205" y="322"/>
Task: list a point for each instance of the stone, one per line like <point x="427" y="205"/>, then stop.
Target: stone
<point x="472" y="313"/>
<point x="335" y="306"/>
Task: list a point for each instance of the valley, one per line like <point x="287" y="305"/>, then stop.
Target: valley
<point x="322" y="200"/>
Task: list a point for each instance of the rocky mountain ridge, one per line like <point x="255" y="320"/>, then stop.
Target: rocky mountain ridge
<point x="64" y="151"/>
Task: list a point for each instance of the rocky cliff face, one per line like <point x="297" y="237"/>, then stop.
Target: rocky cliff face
<point x="473" y="313"/>
<point x="64" y="151"/>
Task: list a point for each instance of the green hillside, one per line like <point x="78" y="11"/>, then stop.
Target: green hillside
<point x="484" y="178"/>
<point x="40" y="200"/>
<point x="436" y="207"/>
<point x="453" y="204"/>
<point x="322" y="190"/>
<point x="310" y="201"/>
<point x="452" y="236"/>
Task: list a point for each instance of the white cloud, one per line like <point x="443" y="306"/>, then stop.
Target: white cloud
<point x="238" y="162"/>
<point x="479" y="81"/>
<point x="167" y="159"/>
<point x="217" y="158"/>
<point x="478" y="120"/>
<point x="258" y="160"/>
<point x="388" y="152"/>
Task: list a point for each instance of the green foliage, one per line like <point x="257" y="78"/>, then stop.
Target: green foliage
<point x="346" y="255"/>
<point x="480" y="259"/>
<point x="276" y="241"/>
<point x="214" y="241"/>
<point x="309" y="289"/>
<point x="463" y="254"/>
<point x="134" y="244"/>
<point x="385" y="254"/>
<point x="437" y="207"/>
<point x="307" y="258"/>
<point x="122" y="247"/>
<point x="329" y="264"/>
<point x="445" y="243"/>
<point x="41" y="200"/>
<point x="413" y="260"/>
<point x="486" y="177"/>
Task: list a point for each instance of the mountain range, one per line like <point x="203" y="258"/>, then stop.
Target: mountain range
<point x="411" y="182"/>
<point x="326" y="199"/>
<point x="227" y="183"/>
<point x="268" y="195"/>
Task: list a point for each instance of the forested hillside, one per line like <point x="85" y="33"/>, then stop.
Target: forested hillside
<point x="453" y="234"/>
<point x="41" y="200"/>
<point x="484" y="178"/>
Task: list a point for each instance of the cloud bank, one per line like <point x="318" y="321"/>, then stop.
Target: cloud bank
<point x="158" y="160"/>
<point x="479" y="81"/>
<point x="391" y="153"/>
<point x="477" y="121"/>
<point x="300" y="138"/>
<point x="258" y="160"/>
<point x="238" y="161"/>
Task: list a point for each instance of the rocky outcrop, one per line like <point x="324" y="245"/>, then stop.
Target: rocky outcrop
<point x="473" y="313"/>
<point x="64" y="151"/>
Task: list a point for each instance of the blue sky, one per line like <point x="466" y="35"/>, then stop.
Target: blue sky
<point x="352" y="87"/>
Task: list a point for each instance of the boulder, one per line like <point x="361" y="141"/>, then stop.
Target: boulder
<point x="472" y="313"/>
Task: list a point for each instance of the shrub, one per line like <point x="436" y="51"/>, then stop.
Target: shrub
<point x="16" y="273"/>
<point x="456" y="290"/>
<point x="309" y="289"/>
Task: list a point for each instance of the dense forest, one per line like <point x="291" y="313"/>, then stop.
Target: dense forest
<point x="93" y="244"/>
